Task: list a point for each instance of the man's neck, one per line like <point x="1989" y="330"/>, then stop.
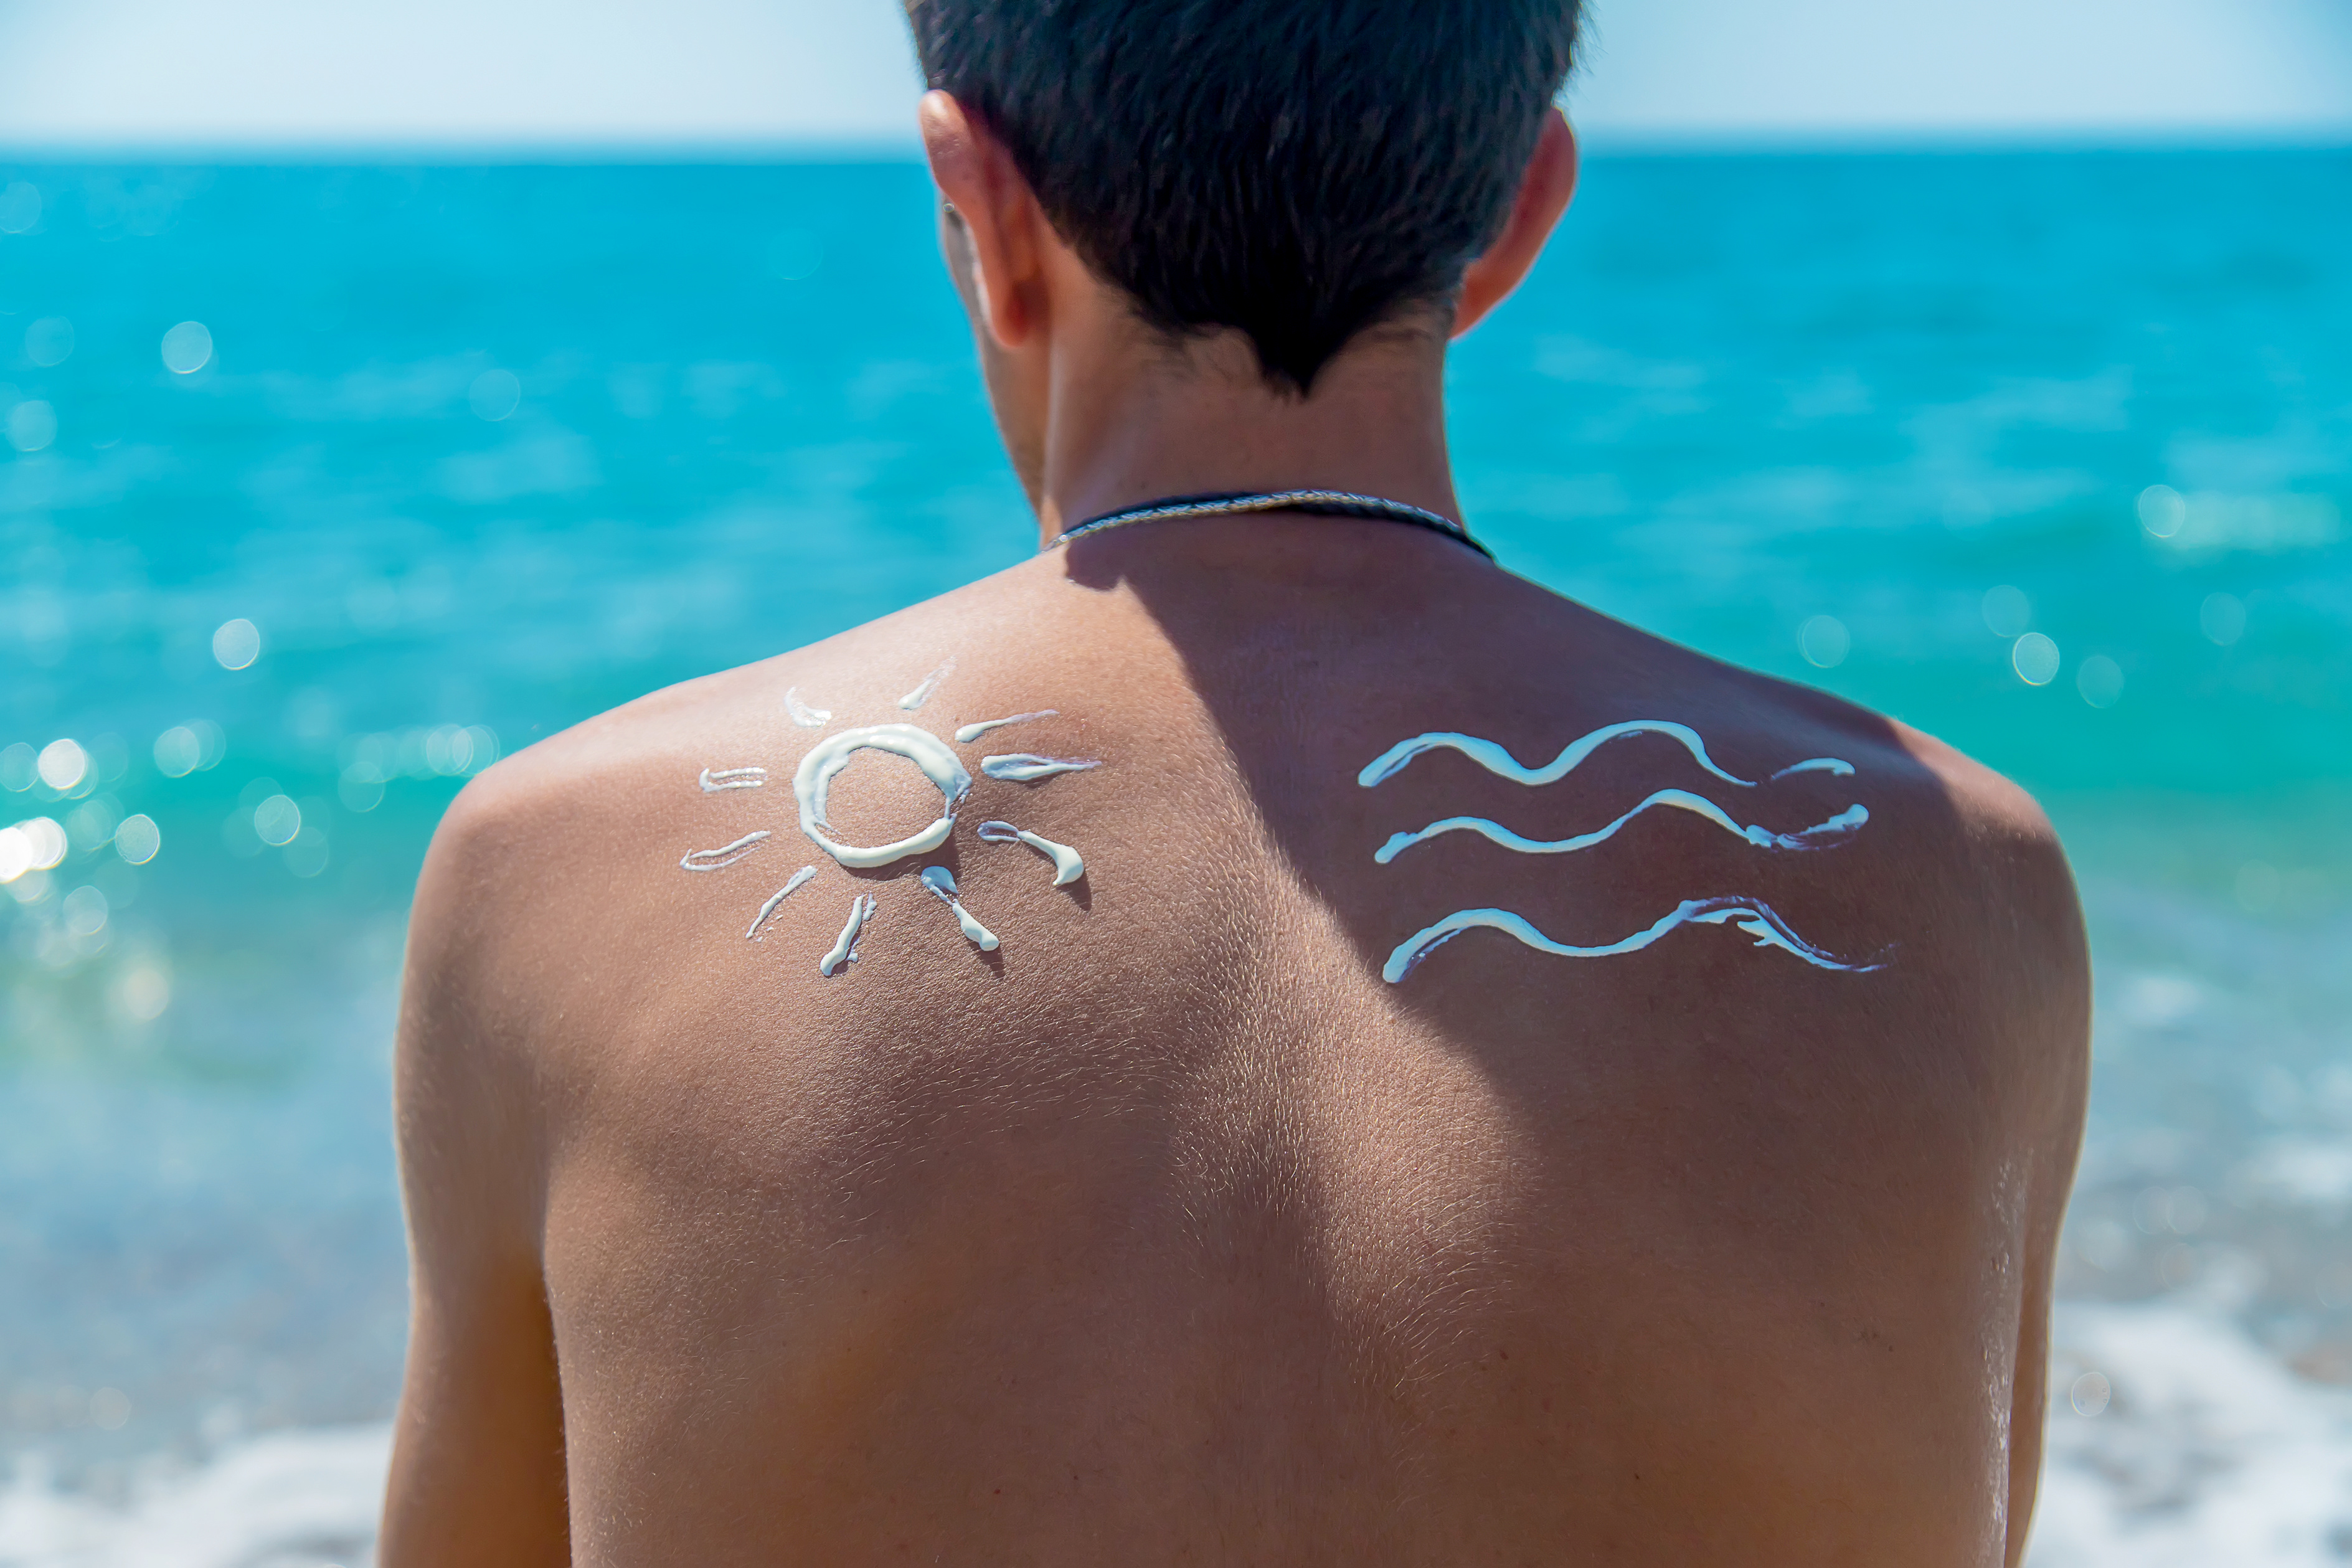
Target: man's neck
<point x="1144" y="422"/>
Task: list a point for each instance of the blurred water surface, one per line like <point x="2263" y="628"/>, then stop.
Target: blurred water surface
<point x="320" y="488"/>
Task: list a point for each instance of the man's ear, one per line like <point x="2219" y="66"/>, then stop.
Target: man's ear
<point x="1544" y="192"/>
<point x="995" y="254"/>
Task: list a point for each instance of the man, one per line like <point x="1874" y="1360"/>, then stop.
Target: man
<point x="1255" y="1037"/>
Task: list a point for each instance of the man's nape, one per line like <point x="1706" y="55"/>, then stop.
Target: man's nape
<point x="1100" y="410"/>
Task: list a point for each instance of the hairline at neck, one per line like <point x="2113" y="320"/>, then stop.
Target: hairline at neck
<point x="1132" y="416"/>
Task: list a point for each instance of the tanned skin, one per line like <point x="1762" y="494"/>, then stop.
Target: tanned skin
<point x="1170" y="1232"/>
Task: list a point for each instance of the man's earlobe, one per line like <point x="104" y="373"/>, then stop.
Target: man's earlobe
<point x="1544" y="192"/>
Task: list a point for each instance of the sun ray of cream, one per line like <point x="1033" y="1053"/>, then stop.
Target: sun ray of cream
<point x="922" y="694"/>
<point x="1068" y="865"/>
<point x="824" y="763"/>
<point x="726" y="854"/>
<point x="970" y="733"/>
<point x="806" y="717"/>
<point x="844" y="946"/>
<point x="1021" y="767"/>
<point x="799" y="880"/>
<point x="943" y="884"/>
<point x="733" y="778"/>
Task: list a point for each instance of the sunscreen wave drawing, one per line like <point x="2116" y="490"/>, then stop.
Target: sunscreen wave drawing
<point x="1752" y="916"/>
<point x="935" y="760"/>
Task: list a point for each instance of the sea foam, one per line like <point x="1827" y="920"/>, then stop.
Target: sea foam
<point x="287" y="1500"/>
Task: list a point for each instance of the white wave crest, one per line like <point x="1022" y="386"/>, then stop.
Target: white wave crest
<point x="301" y="1498"/>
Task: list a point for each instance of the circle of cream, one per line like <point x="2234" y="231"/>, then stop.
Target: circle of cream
<point x="921" y="747"/>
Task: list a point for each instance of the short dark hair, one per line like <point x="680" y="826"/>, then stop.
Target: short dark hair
<point x="1301" y="170"/>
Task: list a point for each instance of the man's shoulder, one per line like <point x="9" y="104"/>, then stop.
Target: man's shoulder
<point x="591" y="776"/>
<point x="566" y="824"/>
<point x="1970" y="860"/>
<point x="631" y="760"/>
<point x="1946" y="834"/>
<point x="1963" y="873"/>
<point x="1915" y="773"/>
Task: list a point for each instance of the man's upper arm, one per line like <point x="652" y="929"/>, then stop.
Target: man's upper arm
<point x="2049" y="992"/>
<point x="478" y="1473"/>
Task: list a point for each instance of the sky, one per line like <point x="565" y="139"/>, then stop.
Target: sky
<point x="206" y="75"/>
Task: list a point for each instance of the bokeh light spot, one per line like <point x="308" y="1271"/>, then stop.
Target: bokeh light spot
<point x="236" y="644"/>
<point x="49" y="342"/>
<point x="2223" y="619"/>
<point x="188" y="348"/>
<point x="20" y="206"/>
<point x="495" y="395"/>
<point x="305" y="855"/>
<point x="361" y="788"/>
<point x="20" y="766"/>
<point x="2100" y="680"/>
<point x="2162" y="511"/>
<point x="91" y="825"/>
<point x="142" y="994"/>
<point x="795" y="256"/>
<point x="85" y="911"/>
<point x="39" y="841"/>
<point x="2090" y="1395"/>
<point x="137" y="840"/>
<point x="32" y="426"/>
<point x="1824" y="641"/>
<point x="177" y="751"/>
<point x="276" y="820"/>
<point x="63" y="764"/>
<point x="2008" y="613"/>
<point x="2035" y="658"/>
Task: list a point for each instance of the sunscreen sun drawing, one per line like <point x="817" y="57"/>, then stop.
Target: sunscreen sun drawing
<point x="936" y="761"/>
<point x="1757" y="918"/>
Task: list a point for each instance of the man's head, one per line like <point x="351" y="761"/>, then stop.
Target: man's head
<point x="1296" y="170"/>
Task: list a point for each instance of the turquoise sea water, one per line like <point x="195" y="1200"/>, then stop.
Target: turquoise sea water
<point x="478" y="451"/>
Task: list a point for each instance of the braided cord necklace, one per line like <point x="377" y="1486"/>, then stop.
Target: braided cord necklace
<point x="1315" y="504"/>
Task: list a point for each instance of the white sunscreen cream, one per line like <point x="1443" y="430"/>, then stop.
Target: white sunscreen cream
<point x="938" y="762"/>
<point x="970" y="733"/>
<point x="1022" y="766"/>
<point x="844" y="946"/>
<point x="922" y="694"/>
<point x="921" y="747"/>
<point x="1067" y="865"/>
<point x="1757" y="918"/>
<point x="726" y="854"/>
<point x="800" y="879"/>
<point x="1822" y="835"/>
<point x="942" y="882"/>
<point x="1487" y="755"/>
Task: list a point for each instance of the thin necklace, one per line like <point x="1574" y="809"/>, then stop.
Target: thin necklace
<point x="1318" y="503"/>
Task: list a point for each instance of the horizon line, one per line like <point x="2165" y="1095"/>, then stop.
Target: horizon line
<point x="1599" y="142"/>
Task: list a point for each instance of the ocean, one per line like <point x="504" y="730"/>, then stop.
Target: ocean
<point x="322" y="487"/>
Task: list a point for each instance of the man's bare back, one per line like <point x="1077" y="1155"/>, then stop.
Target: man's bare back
<point x="1171" y="1230"/>
<point x="1444" y="1077"/>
